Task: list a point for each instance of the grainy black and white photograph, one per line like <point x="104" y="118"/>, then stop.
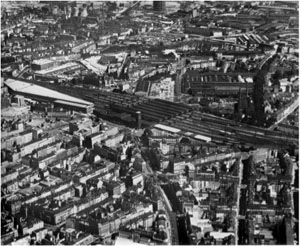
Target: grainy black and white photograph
<point x="149" y="122"/>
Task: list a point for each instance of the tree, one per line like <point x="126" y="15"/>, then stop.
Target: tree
<point x="129" y="153"/>
<point x="18" y="148"/>
<point x="279" y="232"/>
<point x="186" y="171"/>
<point x="278" y="74"/>
<point x="3" y="155"/>
<point x="201" y="242"/>
<point x="145" y="137"/>
<point x="154" y="160"/>
<point x="188" y="223"/>
<point x="190" y="92"/>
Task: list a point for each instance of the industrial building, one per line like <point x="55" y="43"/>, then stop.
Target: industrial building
<point x="39" y="93"/>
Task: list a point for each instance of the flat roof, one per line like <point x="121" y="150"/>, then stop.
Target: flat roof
<point x="58" y="68"/>
<point x="42" y="61"/>
<point x="202" y="137"/>
<point x="221" y="235"/>
<point x="188" y="133"/>
<point x="122" y="241"/>
<point x="70" y="103"/>
<point x="167" y="128"/>
<point x="25" y="87"/>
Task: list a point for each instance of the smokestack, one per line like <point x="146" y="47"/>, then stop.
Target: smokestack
<point x="139" y="119"/>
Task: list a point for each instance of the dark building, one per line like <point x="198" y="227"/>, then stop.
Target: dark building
<point x="159" y="5"/>
<point x="213" y="83"/>
<point x="42" y="64"/>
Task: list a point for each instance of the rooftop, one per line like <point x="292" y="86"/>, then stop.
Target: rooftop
<point x="167" y="128"/>
<point x="35" y="90"/>
<point x="42" y="61"/>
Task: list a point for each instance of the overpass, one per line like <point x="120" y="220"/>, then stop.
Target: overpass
<point x="264" y="60"/>
<point x="24" y="70"/>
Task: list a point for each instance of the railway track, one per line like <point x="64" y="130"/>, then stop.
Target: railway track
<point x="227" y="131"/>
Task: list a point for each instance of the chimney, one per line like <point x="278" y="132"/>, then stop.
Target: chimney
<point x="139" y="119"/>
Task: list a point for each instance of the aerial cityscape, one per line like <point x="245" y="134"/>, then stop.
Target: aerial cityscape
<point x="149" y="123"/>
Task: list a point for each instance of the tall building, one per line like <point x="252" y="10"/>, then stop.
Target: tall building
<point x="159" y="5"/>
